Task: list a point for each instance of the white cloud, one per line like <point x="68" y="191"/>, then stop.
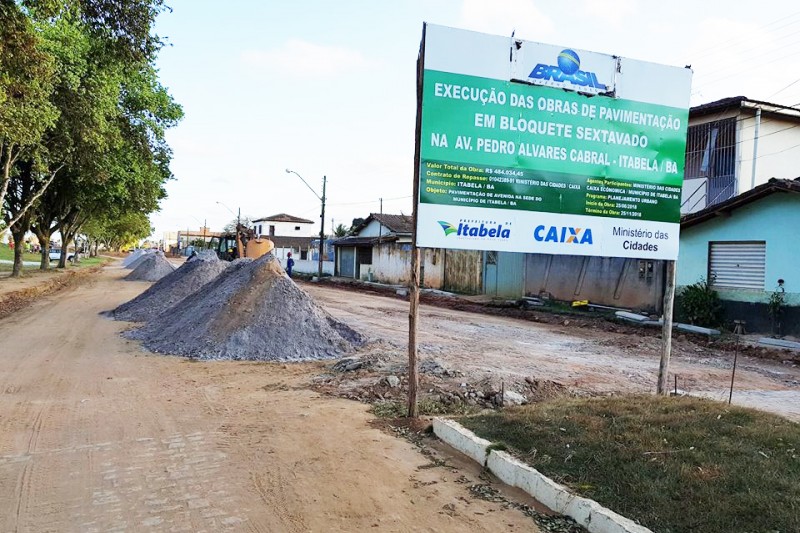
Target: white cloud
<point x="614" y="12"/>
<point x="501" y="17"/>
<point x="302" y="58"/>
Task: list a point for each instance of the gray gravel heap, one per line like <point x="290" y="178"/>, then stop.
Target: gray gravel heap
<point x="136" y="254"/>
<point x="153" y="267"/>
<point x="172" y="288"/>
<point x="138" y="260"/>
<point x="252" y="311"/>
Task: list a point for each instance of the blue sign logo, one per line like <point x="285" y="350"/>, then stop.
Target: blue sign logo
<point x="476" y="228"/>
<point x="563" y="234"/>
<point x="567" y="71"/>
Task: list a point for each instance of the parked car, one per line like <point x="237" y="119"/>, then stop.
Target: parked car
<point x="55" y="255"/>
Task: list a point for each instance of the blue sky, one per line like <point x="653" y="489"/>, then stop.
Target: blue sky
<point x="328" y="88"/>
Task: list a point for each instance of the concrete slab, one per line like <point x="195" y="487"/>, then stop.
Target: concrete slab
<point x="631" y="316"/>
<point x="780" y="343"/>
<point x="697" y="329"/>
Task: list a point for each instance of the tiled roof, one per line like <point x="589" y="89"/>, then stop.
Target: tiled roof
<point x="283" y="217"/>
<point x="735" y="102"/>
<point x="398" y="224"/>
<point x="724" y="208"/>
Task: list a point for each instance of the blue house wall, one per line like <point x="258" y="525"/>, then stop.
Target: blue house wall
<point x="774" y="219"/>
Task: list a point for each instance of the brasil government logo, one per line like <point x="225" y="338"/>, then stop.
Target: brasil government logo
<point x="567" y="71"/>
<point x="476" y="228"/>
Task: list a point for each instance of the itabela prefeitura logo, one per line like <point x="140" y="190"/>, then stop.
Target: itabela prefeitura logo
<point x="482" y="229"/>
<point x="566" y="71"/>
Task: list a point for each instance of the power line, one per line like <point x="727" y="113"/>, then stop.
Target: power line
<point x="794" y="82"/>
<point x="711" y="50"/>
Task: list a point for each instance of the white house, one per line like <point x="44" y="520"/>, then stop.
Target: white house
<point x="734" y="145"/>
<point x="297" y="235"/>
<point x="283" y="225"/>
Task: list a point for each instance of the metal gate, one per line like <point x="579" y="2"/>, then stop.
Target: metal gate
<point x="737" y="265"/>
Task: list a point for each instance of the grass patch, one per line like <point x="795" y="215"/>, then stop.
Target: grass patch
<point x="7" y="254"/>
<point x="426" y="407"/>
<point x="671" y="464"/>
<point x="87" y="262"/>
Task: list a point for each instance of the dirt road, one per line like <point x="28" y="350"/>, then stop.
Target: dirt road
<point x="483" y="348"/>
<point x="97" y="435"/>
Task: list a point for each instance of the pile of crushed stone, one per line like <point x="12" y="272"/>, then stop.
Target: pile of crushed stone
<point x="137" y="260"/>
<point x="152" y="267"/>
<point x="252" y="311"/>
<point x="136" y="254"/>
<point x="172" y="288"/>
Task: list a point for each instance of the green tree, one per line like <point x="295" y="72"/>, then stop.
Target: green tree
<point x="245" y="221"/>
<point x="26" y="87"/>
<point x="340" y="231"/>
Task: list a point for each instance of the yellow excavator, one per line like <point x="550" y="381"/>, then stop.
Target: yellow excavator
<point x="243" y="243"/>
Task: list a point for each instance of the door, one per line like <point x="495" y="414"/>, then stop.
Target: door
<point x="347" y="262"/>
<point x="490" y="273"/>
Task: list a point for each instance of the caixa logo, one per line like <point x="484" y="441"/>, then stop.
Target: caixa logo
<point x="567" y="71"/>
<point x="481" y="229"/>
<point x="563" y="234"/>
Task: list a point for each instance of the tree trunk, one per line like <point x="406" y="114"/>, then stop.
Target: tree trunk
<point x="7" y="158"/>
<point x="19" y="243"/>
<point x="44" y="242"/>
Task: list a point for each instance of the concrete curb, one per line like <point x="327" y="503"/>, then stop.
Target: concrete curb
<point x="556" y="497"/>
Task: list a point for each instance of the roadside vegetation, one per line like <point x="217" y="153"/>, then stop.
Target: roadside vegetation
<point x="83" y="118"/>
<point x="7" y="254"/>
<point x="671" y="464"/>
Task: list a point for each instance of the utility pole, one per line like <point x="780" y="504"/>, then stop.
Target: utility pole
<point x="321" y="216"/>
<point x="322" y="226"/>
<point x="380" y="225"/>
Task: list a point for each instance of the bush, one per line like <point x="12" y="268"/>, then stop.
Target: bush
<point x="700" y="304"/>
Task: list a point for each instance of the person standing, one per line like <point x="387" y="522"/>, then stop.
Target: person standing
<point x="289" y="264"/>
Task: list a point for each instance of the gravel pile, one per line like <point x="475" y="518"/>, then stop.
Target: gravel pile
<point x="252" y="311"/>
<point x="136" y="254"/>
<point x="172" y="288"/>
<point x="138" y="260"/>
<point x="152" y="267"/>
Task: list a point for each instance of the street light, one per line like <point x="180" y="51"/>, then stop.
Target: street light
<point x="321" y="217"/>
<point x="238" y="215"/>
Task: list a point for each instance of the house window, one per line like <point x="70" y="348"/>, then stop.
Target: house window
<point x="737" y="265"/>
<point x="272" y="231"/>
<point x="297" y="228"/>
<point x="711" y="154"/>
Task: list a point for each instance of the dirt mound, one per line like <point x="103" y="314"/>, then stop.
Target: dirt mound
<point x="172" y="288"/>
<point x="152" y="267"/>
<point x="252" y="311"/>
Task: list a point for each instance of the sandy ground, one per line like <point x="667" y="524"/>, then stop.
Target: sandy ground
<point x="584" y="358"/>
<point x="97" y="435"/>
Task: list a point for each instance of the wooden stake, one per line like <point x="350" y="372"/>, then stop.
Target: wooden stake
<point x="413" y="375"/>
<point x="666" y="334"/>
